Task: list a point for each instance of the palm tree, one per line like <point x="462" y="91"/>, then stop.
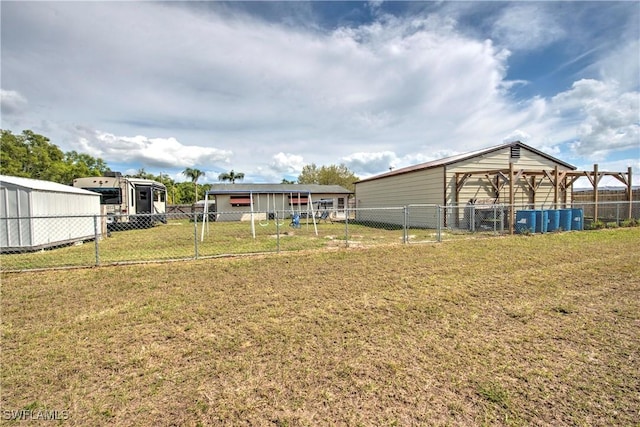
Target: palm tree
<point x="193" y="175"/>
<point x="231" y="176"/>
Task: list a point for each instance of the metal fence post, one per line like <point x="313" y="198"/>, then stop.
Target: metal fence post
<point x="405" y="235"/>
<point x="472" y="218"/>
<point x="95" y="231"/>
<point x="495" y="219"/>
<point x="275" y="215"/>
<point x="195" y="234"/>
<point x="439" y="220"/>
<point x="346" y="227"/>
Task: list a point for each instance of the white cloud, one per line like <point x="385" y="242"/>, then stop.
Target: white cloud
<point x="607" y="118"/>
<point x="517" y="135"/>
<point x="151" y="152"/>
<point x="287" y="163"/>
<point x="390" y="93"/>
<point x="369" y="163"/>
<point x="12" y="102"/>
<point x="365" y="164"/>
<point x="526" y="26"/>
<point x="427" y="156"/>
<point x="619" y="59"/>
<point x="382" y="83"/>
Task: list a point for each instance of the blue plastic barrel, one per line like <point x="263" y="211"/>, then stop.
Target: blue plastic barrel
<point x="553" y="216"/>
<point x="565" y="219"/>
<point x="577" y="219"/>
<point x="542" y="217"/>
<point x="525" y="221"/>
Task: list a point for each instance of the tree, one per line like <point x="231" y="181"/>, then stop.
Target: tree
<point x="13" y="154"/>
<point x="143" y="174"/>
<point x="81" y="165"/>
<point x="231" y="176"/>
<point x="182" y="193"/>
<point x="309" y="174"/>
<point x="43" y="160"/>
<point x="328" y="175"/>
<point x="286" y="181"/>
<point x="31" y="155"/>
<point x="194" y="175"/>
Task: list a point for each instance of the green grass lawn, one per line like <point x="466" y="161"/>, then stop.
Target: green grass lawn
<point x="520" y="330"/>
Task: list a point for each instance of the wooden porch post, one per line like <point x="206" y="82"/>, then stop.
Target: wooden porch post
<point x="457" y="191"/>
<point x="533" y="191"/>
<point x="556" y="184"/>
<point x="630" y="190"/>
<point x="512" y="213"/>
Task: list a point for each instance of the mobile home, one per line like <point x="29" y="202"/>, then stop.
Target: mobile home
<point x="134" y="201"/>
<point x="237" y="202"/>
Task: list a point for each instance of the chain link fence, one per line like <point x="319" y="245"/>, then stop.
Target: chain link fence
<point x="28" y="243"/>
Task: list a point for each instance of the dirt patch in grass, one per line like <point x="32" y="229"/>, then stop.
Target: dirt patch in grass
<point x="538" y="330"/>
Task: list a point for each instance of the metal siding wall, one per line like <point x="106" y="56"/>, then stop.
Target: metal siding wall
<point x="544" y="194"/>
<point x="7" y="228"/>
<point x="46" y="203"/>
<point x="226" y="212"/>
<point x="478" y="187"/>
<point x="52" y="230"/>
<point x="419" y="187"/>
<point x="16" y="232"/>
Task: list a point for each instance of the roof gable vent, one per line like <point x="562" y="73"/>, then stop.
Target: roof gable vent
<point x="515" y="151"/>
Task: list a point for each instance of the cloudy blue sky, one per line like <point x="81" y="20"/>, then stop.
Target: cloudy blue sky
<point x="265" y="88"/>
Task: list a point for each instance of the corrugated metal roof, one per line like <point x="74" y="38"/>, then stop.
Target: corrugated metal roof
<point x="40" y="185"/>
<point x="464" y="156"/>
<point x="277" y="188"/>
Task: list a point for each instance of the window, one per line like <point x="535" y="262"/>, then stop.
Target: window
<point x="108" y="196"/>
<point x="158" y="195"/>
<point x="515" y="152"/>
<point x="295" y="199"/>
<point x="240" y="200"/>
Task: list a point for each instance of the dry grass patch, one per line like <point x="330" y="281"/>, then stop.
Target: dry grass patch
<point x="179" y="238"/>
<point x="511" y="331"/>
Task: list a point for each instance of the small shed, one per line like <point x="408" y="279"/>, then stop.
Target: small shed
<point x="36" y="214"/>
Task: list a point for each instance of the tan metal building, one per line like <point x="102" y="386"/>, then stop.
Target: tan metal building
<point x="478" y="177"/>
